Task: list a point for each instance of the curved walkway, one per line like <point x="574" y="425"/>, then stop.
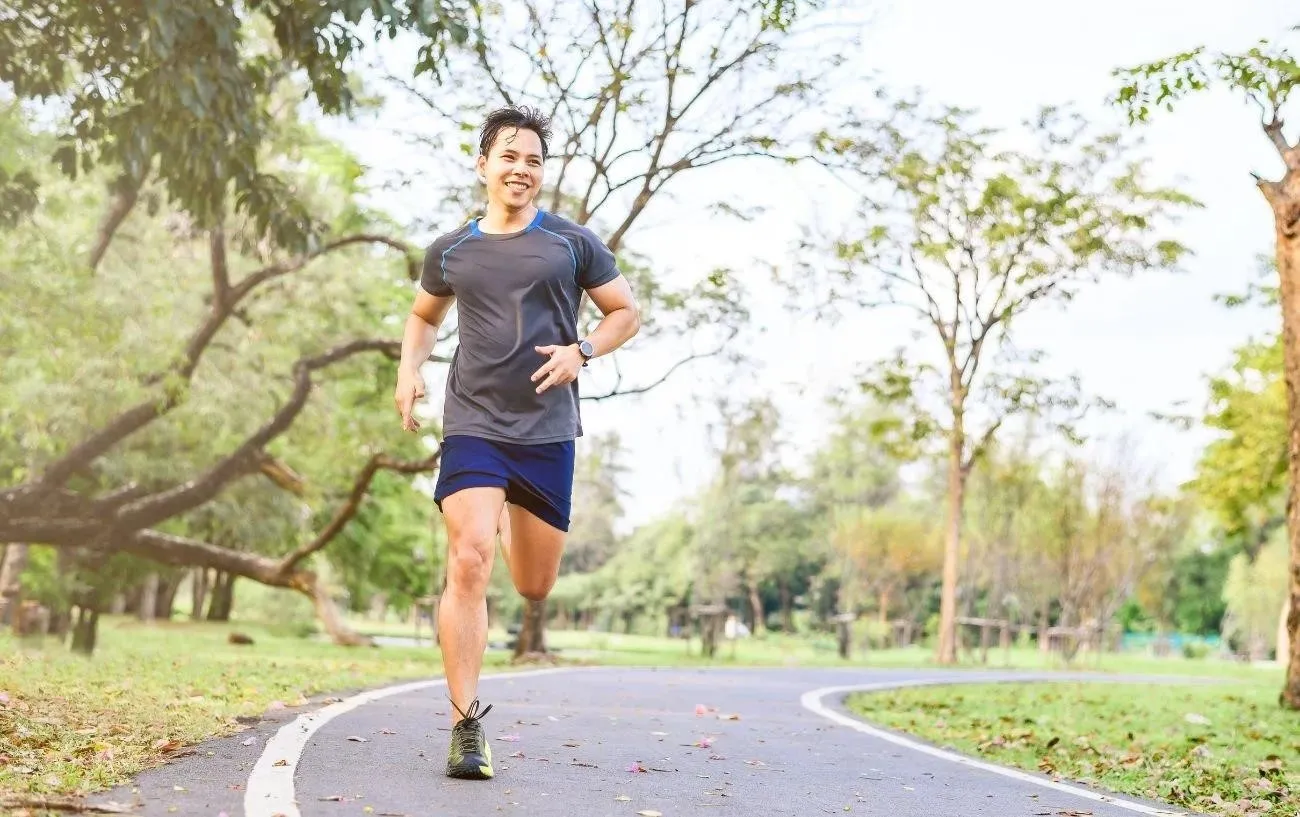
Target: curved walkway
<point x="619" y="741"/>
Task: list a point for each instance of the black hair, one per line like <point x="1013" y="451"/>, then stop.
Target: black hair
<point x="519" y="118"/>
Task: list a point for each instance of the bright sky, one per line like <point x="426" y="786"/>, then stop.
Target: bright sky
<point x="1146" y="344"/>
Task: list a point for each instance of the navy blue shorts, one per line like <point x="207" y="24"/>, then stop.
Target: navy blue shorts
<point x="537" y="478"/>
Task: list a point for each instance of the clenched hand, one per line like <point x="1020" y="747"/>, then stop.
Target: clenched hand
<point x="563" y="367"/>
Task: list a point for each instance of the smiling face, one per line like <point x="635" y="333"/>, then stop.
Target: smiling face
<point x="512" y="168"/>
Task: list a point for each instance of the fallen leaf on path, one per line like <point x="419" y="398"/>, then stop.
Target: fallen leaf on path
<point x="508" y="738"/>
<point x="584" y="764"/>
<point x="731" y="717"/>
<point x="637" y="767"/>
<point x="572" y="745"/>
<point x="333" y="798"/>
<point x="358" y="739"/>
<point x="649" y="813"/>
<point x="387" y="732"/>
<point x="622" y="798"/>
<point x="281" y="762"/>
<point x="517" y="754"/>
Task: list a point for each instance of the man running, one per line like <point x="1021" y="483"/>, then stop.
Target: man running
<point x="511" y="412"/>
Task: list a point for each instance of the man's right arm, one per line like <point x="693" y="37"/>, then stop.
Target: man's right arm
<point x="418" y="339"/>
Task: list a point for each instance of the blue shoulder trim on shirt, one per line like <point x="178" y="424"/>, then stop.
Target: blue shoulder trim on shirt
<point x="572" y="255"/>
<point x="447" y="252"/>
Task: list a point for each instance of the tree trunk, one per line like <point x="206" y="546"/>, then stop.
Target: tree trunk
<point x="787" y="606"/>
<point x="947" y="652"/>
<point x="11" y="584"/>
<point x="198" y="592"/>
<point x="1285" y="200"/>
<point x="223" y="597"/>
<point x="166" y="599"/>
<point x="85" y="634"/>
<point x="1283" y="637"/>
<point x="147" y="604"/>
<point x="532" y="631"/>
<point x="756" y="610"/>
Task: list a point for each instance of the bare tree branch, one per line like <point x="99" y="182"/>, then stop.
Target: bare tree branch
<point x="618" y="392"/>
<point x="125" y="191"/>
<point x="164" y="505"/>
<point x="145" y="412"/>
<point x="349" y="508"/>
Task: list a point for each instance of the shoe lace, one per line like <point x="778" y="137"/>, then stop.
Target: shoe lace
<point x="469" y="731"/>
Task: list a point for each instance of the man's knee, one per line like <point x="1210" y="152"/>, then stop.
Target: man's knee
<point x="469" y="562"/>
<point x="535" y="588"/>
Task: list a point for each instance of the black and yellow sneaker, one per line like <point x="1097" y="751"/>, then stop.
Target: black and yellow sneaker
<point x="470" y="756"/>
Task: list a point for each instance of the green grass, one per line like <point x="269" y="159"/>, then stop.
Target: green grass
<point x="1223" y="748"/>
<point x="71" y="725"/>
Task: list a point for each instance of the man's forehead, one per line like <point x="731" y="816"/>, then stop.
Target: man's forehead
<point x="521" y="140"/>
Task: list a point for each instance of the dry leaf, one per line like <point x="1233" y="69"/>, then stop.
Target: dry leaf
<point x="649" y="813"/>
<point x="622" y="798"/>
<point x="358" y="739"/>
<point x="281" y="762"/>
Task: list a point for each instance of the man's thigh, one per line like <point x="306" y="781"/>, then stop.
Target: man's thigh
<point x="536" y="546"/>
<point x="471" y="516"/>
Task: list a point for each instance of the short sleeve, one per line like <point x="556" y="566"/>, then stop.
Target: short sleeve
<point x="597" y="263"/>
<point x="433" y="280"/>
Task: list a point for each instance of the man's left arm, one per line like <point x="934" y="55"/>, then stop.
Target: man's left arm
<point x="621" y="321"/>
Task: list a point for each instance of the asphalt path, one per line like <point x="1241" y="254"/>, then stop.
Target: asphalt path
<point x="604" y="742"/>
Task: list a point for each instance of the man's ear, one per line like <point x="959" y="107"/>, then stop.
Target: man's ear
<point x="480" y="165"/>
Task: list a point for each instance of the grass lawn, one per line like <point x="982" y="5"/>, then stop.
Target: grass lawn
<point x="69" y="725"/>
<point x="1220" y="748"/>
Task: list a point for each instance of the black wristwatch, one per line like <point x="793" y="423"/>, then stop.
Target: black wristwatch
<point x="586" y="350"/>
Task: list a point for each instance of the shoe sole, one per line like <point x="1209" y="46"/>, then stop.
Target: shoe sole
<point x="472" y="773"/>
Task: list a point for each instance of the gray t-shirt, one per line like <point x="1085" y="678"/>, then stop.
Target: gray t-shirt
<point x="514" y="291"/>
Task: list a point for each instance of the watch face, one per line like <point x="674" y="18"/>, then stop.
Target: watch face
<point x="586" y="348"/>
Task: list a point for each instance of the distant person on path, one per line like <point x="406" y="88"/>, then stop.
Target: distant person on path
<point x="511" y="412"/>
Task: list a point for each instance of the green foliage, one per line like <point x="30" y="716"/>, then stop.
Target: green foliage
<point x="1241" y="477"/>
<point x="82" y="348"/>
<point x="1255" y="592"/>
<point x="177" y="88"/>
<point x="1265" y="74"/>
<point x="968" y="237"/>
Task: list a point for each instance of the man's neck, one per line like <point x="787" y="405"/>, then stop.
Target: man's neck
<point x="499" y="219"/>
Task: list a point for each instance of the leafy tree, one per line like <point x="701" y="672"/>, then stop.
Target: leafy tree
<point x="1266" y="75"/>
<point x="969" y="237"/>
<point x="176" y="89"/>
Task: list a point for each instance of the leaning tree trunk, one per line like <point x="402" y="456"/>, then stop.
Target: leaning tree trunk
<point x="532" y="631"/>
<point x="1284" y="197"/>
